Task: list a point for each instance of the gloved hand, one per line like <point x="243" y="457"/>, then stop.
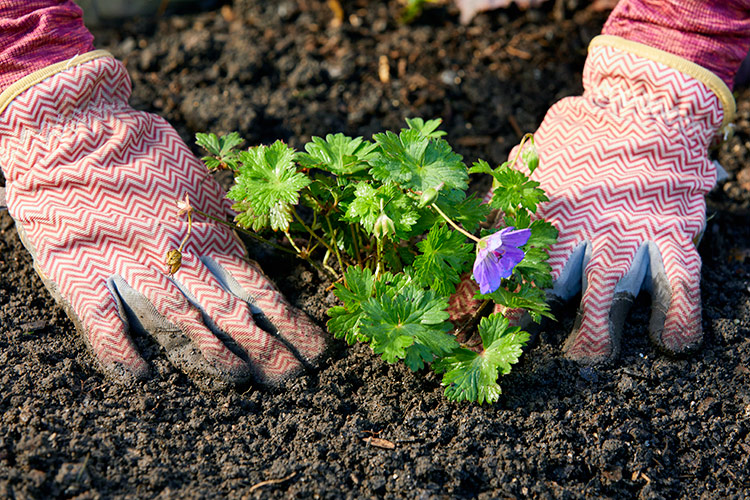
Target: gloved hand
<point x="625" y="168"/>
<point x="93" y="187"/>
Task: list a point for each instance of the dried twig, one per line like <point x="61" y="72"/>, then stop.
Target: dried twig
<point x="271" y="481"/>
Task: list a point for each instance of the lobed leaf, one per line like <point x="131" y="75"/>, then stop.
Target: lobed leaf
<point x="473" y="376"/>
<point x="269" y="184"/>
<point x="397" y="322"/>
<point x="513" y="189"/>
<point x="427" y="128"/>
<point x="337" y="154"/>
<point x="345" y="320"/>
<point x="416" y="162"/>
<point x="445" y="255"/>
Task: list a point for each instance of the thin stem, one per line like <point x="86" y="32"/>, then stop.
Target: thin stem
<point x="335" y="246"/>
<point x="291" y="241"/>
<point x="378" y="252"/>
<point x="355" y="242"/>
<point x="309" y="230"/>
<point x="187" y="235"/>
<point x="244" y="231"/>
<point x="306" y="258"/>
<point x="455" y="226"/>
<point x="520" y="146"/>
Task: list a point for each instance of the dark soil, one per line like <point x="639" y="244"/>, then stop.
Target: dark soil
<point x="649" y="426"/>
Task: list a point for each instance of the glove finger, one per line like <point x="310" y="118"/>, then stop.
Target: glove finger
<point x="180" y="349"/>
<point x="597" y="332"/>
<point x="172" y="305"/>
<point x="675" y="325"/>
<point x="250" y="284"/>
<point x="269" y="357"/>
<point x="95" y="313"/>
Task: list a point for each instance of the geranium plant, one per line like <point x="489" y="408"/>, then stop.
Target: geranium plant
<point x="390" y="222"/>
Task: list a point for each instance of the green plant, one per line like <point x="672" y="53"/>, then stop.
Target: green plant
<point x="390" y="222"/>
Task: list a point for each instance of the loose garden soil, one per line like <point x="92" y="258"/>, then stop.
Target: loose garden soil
<point x="647" y="426"/>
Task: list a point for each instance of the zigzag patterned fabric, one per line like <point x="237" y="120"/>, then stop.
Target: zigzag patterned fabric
<point x="93" y="186"/>
<point x="626" y="169"/>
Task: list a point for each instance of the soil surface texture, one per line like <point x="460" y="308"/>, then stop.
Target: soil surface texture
<point x="647" y="426"/>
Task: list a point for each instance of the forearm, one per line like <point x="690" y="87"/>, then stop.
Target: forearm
<point x="37" y="33"/>
<point x="713" y="34"/>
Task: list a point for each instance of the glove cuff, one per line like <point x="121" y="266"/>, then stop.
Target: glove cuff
<point x="17" y="88"/>
<point x="710" y="80"/>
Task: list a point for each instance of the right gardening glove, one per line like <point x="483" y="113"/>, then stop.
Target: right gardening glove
<point x="625" y="168"/>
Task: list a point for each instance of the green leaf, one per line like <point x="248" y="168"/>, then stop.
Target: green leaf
<point x="345" y="320"/>
<point x="514" y="189"/>
<point x="269" y="184"/>
<point x="248" y="219"/>
<point x="473" y="376"/>
<point x="413" y="161"/>
<point x="428" y="129"/>
<point x="543" y="234"/>
<point x="369" y="203"/>
<point x="526" y="296"/>
<point x="411" y="316"/>
<point x="221" y="149"/>
<point x="209" y="142"/>
<point x="445" y="255"/>
<point x="337" y="154"/>
<point x="480" y="167"/>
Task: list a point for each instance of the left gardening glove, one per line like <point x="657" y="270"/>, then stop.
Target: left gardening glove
<point x="93" y="187"/>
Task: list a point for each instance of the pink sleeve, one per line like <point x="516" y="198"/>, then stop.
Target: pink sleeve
<point x="711" y="33"/>
<point x="37" y="33"/>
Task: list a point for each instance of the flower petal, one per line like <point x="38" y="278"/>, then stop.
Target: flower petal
<point x="485" y="273"/>
<point x="510" y="259"/>
<point x="516" y="238"/>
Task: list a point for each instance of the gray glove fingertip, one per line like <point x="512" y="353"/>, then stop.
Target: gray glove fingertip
<point x="143" y="317"/>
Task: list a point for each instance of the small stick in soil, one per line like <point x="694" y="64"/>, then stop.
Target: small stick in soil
<point x="268" y="482"/>
<point x="379" y="443"/>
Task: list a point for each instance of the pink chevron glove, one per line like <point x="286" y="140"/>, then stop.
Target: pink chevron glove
<point x="625" y="168"/>
<point x="93" y="186"/>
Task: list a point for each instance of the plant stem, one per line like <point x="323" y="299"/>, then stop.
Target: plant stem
<point x="309" y="230"/>
<point x="307" y="258"/>
<point x="187" y="235"/>
<point x="291" y="241"/>
<point x="355" y="242"/>
<point x="244" y="231"/>
<point x="455" y="226"/>
<point x="379" y="251"/>
<point x="520" y="146"/>
<point x="335" y="246"/>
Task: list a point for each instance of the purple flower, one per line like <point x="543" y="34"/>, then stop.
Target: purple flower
<point x="497" y="255"/>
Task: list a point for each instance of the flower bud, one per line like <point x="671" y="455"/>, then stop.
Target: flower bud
<point x="430" y="195"/>
<point x="531" y="157"/>
<point x="383" y="226"/>
<point x="173" y="261"/>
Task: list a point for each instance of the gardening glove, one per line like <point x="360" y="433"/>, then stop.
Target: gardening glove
<point x="626" y="169"/>
<point x="93" y="186"/>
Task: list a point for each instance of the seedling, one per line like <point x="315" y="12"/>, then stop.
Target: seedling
<point x="390" y="222"/>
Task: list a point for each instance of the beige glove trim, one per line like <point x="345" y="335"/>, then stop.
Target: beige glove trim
<point x="709" y="79"/>
<point x="32" y="79"/>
